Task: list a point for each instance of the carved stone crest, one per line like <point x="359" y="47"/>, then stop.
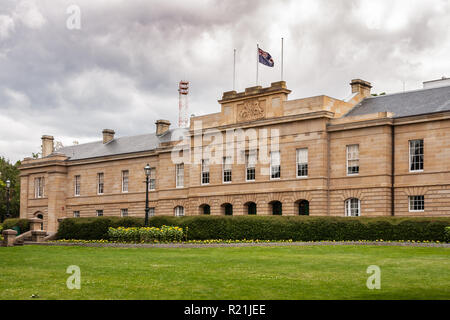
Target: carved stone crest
<point x="251" y="110"/>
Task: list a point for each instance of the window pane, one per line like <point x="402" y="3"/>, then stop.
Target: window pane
<point x="302" y="162"/>
<point x="416" y="155"/>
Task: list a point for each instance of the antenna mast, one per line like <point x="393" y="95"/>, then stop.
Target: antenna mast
<point x="183" y="90"/>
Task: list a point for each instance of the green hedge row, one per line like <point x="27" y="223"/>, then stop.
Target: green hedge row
<point x="270" y="228"/>
<point x="23" y="224"/>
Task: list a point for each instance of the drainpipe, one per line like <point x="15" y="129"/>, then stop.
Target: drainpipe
<point x="328" y="172"/>
<point x="392" y="169"/>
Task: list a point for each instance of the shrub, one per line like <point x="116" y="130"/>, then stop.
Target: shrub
<point x="146" y="234"/>
<point x="447" y="234"/>
<point x="296" y="228"/>
<point x="23" y="224"/>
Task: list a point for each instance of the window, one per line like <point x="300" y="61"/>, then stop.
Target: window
<point x="353" y="207"/>
<point x="227" y="169"/>
<point x="353" y="159"/>
<point x="250" y="163"/>
<point x="100" y="183"/>
<point x="275" y="167"/>
<point x="205" y="171"/>
<point x="179" y="211"/>
<point x="151" y="212"/>
<point x="180" y="175"/>
<point x="39" y="187"/>
<point x="76" y="214"/>
<point x="124" y="212"/>
<point x="152" y="180"/>
<point x="99" y="213"/>
<point x="416" y="155"/>
<point x="77" y="185"/>
<point x="302" y="163"/>
<point x="416" y="203"/>
<point x="125" y="177"/>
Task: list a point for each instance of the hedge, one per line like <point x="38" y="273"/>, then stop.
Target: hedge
<point x="146" y="235"/>
<point x="23" y="224"/>
<point x="294" y="228"/>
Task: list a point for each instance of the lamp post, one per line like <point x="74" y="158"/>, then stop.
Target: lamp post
<point x="8" y="185"/>
<point x="147" y="170"/>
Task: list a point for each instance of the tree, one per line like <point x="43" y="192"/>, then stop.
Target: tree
<point x="9" y="171"/>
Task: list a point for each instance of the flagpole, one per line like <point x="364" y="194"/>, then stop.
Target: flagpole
<point x="282" y="57"/>
<point x="257" y="62"/>
<point x="234" y="70"/>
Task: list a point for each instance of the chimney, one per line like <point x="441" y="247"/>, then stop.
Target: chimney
<point x="162" y="126"/>
<point x="47" y="145"/>
<point x="108" y="135"/>
<point x="362" y="87"/>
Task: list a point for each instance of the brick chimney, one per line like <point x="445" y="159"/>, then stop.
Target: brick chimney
<point x="47" y="145"/>
<point x="108" y="135"/>
<point x="162" y="126"/>
<point x="362" y="87"/>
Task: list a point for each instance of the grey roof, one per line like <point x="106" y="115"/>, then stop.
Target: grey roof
<point x="123" y="145"/>
<point x="406" y="103"/>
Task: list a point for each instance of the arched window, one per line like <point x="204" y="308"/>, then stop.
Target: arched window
<point x="352" y="207"/>
<point x="251" y="208"/>
<point x="277" y="208"/>
<point x="179" y="211"/>
<point x="303" y="207"/>
<point x="227" y="209"/>
<point x="205" y="209"/>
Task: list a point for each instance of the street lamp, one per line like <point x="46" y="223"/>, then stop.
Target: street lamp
<point x="8" y="185"/>
<point x="147" y="170"/>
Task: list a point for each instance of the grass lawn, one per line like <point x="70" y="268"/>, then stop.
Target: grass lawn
<point x="311" y="272"/>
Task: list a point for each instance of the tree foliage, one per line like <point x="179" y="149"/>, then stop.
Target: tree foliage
<point x="9" y="171"/>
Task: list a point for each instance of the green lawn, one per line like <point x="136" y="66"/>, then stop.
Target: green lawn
<point x="311" y="272"/>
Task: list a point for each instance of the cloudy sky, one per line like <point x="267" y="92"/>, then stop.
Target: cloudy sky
<point x="121" y="68"/>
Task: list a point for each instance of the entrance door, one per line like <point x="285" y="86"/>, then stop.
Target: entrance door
<point x="303" y="208"/>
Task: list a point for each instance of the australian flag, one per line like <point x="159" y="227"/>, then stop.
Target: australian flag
<point x="265" y="58"/>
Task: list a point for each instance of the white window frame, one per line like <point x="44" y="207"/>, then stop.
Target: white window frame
<point x="99" y="211"/>
<point x="298" y="163"/>
<point x="272" y="165"/>
<point x="205" y="174"/>
<point x="151" y="211"/>
<point x="253" y="167"/>
<point x="39" y="184"/>
<point x="348" y="207"/>
<point x="357" y="159"/>
<point x="179" y="175"/>
<point x="411" y="199"/>
<point x="179" y="211"/>
<point x="100" y="182"/>
<point x="77" y="186"/>
<point x="152" y="180"/>
<point x="125" y="180"/>
<point x="411" y="156"/>
<point x="122" y="211"/>
<point x="227" y="168"/>
<point x="76" y="214"/>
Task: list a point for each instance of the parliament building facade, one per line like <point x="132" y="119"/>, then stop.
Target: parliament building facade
<point x="365" y="156"/>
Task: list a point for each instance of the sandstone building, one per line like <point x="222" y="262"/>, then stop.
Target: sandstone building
<point x="362" y="156"/>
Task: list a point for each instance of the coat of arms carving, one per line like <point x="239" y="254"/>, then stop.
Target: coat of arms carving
<point x="251" y="110"/>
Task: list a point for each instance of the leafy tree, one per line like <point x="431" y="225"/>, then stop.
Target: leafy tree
<point x="9" y="171"/>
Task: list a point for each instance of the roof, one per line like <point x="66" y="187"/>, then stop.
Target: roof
<point x="405" y="104"/>
<point x="122" y="145"/>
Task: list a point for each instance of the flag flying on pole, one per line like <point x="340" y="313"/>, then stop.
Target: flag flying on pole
<point x="265" y="58"/>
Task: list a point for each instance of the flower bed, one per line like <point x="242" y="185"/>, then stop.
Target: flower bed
<point x="146" y="234"/>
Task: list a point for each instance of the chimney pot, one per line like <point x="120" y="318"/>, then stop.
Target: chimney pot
<point x="47" y="145"/>
<point x="108" y="135"/>
<point x="162" y="126"/>
<point x="362" y="87"/>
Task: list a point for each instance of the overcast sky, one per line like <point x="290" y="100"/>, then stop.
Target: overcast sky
<point x="121" y="69"/>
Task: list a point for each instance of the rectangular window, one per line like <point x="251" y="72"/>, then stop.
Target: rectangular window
<point x="302" y="163"/>
<point x="180" y="175"/>
<point x="152" y="180"/>
<point x="416" y="155"/>
<point x="124" y="212"/>
<point x="39" y="187"/>
<point x="353" y="159"/>
<point x="100" y="183"/>
<point x="76" y="214"/>
<point x="151" y="212"/>
<point x="99" y="213"/>
<point x="275" y="166"/>
<point x="125" y="177"/>
<point x="227" y="169"/>
<point x="179" y="211"/>
<point x="205" y="171"/>
<point x="416" y="203"/>
<point x="77" y="185"/>
<point x="250" y="164"/>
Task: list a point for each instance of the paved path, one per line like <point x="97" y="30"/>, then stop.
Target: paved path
<point x="219" y="245"/>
